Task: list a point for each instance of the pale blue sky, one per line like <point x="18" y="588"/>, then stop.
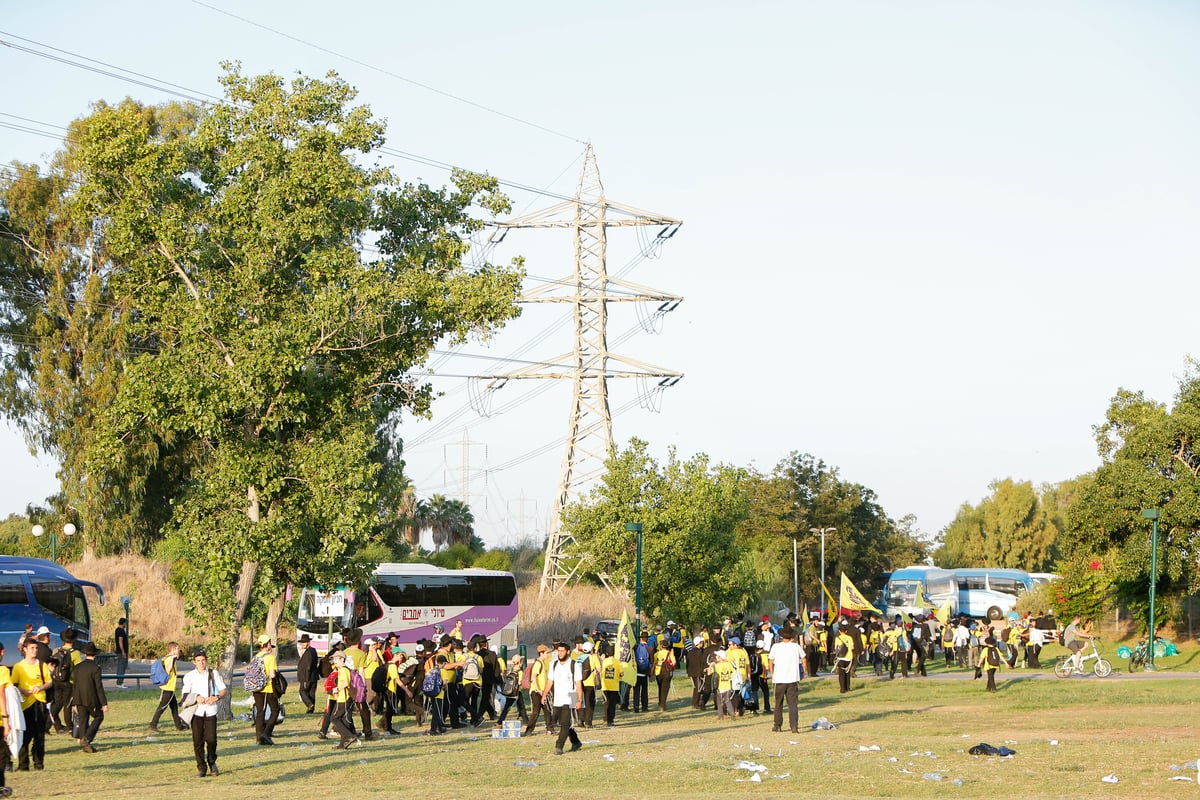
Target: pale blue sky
<point x="925" y="242"/>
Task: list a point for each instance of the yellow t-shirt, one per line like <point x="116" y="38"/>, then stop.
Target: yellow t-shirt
<point x="355" y="655"/>
<point x="724" y="673"/>
<point x="270" y="664"/>
<point x="343" y="686"/>
<point x="169" y="666"/>
<point x="467" y="659"/>
<point x="610" y="675"/>
<point x="537" y="676"/>
<point x="660" y="658"/>
<point x="739" y="659"/>
<point x="26" y="676"/>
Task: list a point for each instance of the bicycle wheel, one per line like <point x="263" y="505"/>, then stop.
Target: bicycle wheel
<point x="1063" y="667"/>
<point x="1135" y="662"/>
<point x="1103" y="668"/>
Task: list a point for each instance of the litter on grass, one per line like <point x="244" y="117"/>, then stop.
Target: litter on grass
<point x="1181" y="778"/>
<point x="609" y="757"/>
<point x="1110" y="778"/>
<point x="750" y="765"/>
<point x="524" y="763"/>
<point x="823" y="724"/>
<point x="863" y="748"/>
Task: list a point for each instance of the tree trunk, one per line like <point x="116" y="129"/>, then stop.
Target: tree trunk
<point x="228" y="656"/>
<point x="245" y="585"/>
<point x="274" y="613"/>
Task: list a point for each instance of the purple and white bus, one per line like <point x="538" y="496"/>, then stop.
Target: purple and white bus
<point x="409" y="599"/>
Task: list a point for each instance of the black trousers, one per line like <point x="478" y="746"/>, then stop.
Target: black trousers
<point x="787" y="693"/>
<point x="35" y="737"/>
<point x="204" y="741"/>
<point x="535" y="702"/>
<point x="87" y="723"/>
<point x="62" y="701"/>
<point x="262" y="701"/>
<point x="761" y="684"/>
<point x="588" y="708"/>
<point x="308" y="696"/>
<point x="566" y="729"/>
<point x="611" y="700"/>
<point x="122" y="664"/>
<point x="340" y="719"/>
<point x="167" y="700"/>
<point x="641" y="693"/>
<point x="664" y="688"/>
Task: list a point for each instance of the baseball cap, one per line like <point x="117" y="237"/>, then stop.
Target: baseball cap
<point x="42" y="630"/>
<point x="587" y="647"/>
<point x="264" y="639"/>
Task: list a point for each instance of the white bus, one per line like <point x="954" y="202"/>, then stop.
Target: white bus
<point x="409" y="599"/>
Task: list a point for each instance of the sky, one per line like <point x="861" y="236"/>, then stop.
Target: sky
<point x="925" y="242"/>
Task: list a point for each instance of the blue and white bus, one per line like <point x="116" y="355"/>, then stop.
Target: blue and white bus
<point x="900" y="591"/>
<point x="991" y="593"/>
<point x="409" y="599"/>
<point x="36" y="592"/>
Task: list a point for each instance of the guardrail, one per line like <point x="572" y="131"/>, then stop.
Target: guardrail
<point x="137" y="677"/>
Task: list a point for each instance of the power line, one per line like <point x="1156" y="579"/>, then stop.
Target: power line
<point x="391" y="74"/>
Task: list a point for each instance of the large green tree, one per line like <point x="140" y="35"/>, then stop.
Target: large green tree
<point x="803" y="493"/>
<point x="1150" y="459"/>
<point x="1013" y="528"/>
<point x="274" y="291"/>
<point x="692" y="568"/>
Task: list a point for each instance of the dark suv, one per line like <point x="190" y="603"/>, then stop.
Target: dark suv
<point x="608" y="629"/>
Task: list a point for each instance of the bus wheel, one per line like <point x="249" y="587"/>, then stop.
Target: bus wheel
<point x="995" y="613"/>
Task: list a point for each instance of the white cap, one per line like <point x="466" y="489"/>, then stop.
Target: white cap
<point x="699" y="640"/>
<point x="670" y="622"/>
<point x="337" y="638"/>
<point x="368" y="641"/>
<point x="42" y="630"/>
<point x="420" y="648"/>
<point x="587" y="647"/>
<point x="760" y="644"/>
<point x="721" y="654"/>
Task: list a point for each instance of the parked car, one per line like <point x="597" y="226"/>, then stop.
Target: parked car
<point x="778" y="611"/>
<point x="608" y="629"/>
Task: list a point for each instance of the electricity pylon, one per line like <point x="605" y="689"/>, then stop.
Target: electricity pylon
<point x="589" y="427"/>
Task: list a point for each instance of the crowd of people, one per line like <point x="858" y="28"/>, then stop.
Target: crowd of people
<point x="361" y="686"/>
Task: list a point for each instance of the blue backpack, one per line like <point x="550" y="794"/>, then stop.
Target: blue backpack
<point x="641" y="656"/>
<point x="432" y="685"/>
<point x="158" y="673"/>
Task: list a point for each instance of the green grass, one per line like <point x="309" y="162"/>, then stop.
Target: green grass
<point x="1134" y="727"/>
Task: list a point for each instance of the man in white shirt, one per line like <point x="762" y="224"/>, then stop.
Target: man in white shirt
<point x="784" y="663"/>
<point x="562" y="687"/>
<point x="208" y="688"/>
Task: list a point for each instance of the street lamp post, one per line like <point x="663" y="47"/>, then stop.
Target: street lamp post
<point x="795" y="579"/>
<point x="68" y="531"/>
<point x="636" y="527"/>
<point x="1152" y="515"/>
<point x="824" y="586"/>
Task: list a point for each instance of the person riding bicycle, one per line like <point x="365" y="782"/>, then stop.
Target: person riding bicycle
<point x="1073" y="639"/>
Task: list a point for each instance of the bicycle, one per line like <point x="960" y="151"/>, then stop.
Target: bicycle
<point x="1103" y="667"/>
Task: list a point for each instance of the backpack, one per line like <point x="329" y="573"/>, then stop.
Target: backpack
<point x="735" y="680"/>
<point x="511" y="687"/>
<point x="585" y="665"/>
<point x="279" y="684"/>
<point x="379" y="680"/>
<point x="993" y="657"/>
<point x="527" y="675"/>
<point x="885" y="648"/>
<point x="641" y="655"/>
<point x="255" y="677"/>
<point x="471" y="670"/>
<point x="158" y="673"/>
<point x="331" y="682"/>
<point x="432" y="685"/>
<point x="358" y="686"/>
<point x="63" y="666"/>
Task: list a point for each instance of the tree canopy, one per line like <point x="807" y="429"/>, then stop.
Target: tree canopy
<point x="232" y="301"/>
<point x="1012" y="528"/>
<point x="692" y="568"/>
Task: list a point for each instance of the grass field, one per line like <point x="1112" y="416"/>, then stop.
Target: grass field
<point x="1136" y="727"/>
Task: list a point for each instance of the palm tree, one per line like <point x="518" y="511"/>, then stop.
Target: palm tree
<point x="448" y="521"/>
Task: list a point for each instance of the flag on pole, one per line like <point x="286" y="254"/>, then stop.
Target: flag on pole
<point x="943" y="613"/>
<point x="833" y="604"/>
<point x="852" y="598"/>
<point x="804" y="613"/>
<point x="922" y="600"/>
<point x="624" y="650"/>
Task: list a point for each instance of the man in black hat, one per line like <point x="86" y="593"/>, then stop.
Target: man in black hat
<point x="62" y="674"/>
<point x="88" y="698"/>
<point x="307" y="673"/>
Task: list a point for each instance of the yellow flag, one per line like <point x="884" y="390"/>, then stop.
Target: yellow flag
<point x="852" y="598"/>
<point x="624" y="650"/>
<point x="922" y="600"/>
<point x="804" y="613"/>
<point x="943" y="613"/>
<point x="833" y="605"/>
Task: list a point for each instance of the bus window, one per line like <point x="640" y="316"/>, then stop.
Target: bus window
<point x="1007" y="585"/>
<point x="82" y="620"/>
<point x="941" y="587"/>
<point x="901" y="593"/>
<point x="398" y="592"/>
<point x="975" y="582"/>
<point x="460" y="592"/>
<point x="366" y="609"/>
<point x="12" y="590"/>
<point x="501" y="591"/>
<point x="54" y="596"/>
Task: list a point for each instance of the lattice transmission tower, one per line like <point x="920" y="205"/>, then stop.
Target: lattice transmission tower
<point x="589" y="215"/>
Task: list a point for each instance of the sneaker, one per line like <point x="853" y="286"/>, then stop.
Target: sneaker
<point x="322" y="735"/>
